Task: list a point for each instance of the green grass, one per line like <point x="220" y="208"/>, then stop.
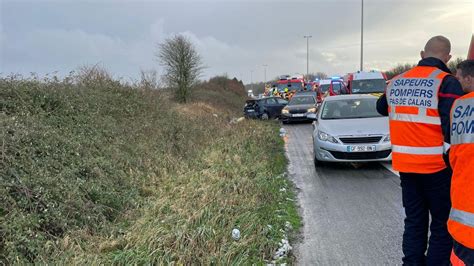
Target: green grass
<point x="103" y="173"/>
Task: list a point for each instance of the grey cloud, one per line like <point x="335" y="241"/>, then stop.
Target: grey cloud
<point x="233" y="37"/>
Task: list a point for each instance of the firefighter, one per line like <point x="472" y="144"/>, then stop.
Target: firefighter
<point x="272" y="91"/>
<point x="461" y="218"/>
<point x="267" y="89"/>
<point x="292" y="93"/>
<point x="418" y="103"/>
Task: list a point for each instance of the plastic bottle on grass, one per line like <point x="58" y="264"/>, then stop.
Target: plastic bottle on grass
<point x="236" y="234"/>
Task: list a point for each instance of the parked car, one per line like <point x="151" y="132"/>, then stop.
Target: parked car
<point x="348" y="128"/>
<point x="300" y="106"/>
<point x="264" y="108"/>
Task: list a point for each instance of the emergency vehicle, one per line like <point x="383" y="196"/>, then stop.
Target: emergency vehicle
<point x="297" y="83"/>
<point x="282" y="83"/>
<point x="331" y="87"/>
<point x="361" y="82"/>
<point x="309" y="86"/>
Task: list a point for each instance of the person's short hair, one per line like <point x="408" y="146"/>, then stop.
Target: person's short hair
<point x="438" y="45"/>
<point x="466" y="67"/>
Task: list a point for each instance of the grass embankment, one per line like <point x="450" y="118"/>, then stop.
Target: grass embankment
<point x="97" y="172"/>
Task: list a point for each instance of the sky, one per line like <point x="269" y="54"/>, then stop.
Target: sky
<point x="233" y="37"/>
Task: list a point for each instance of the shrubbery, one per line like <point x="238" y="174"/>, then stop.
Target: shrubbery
<point x="93" y="171"/>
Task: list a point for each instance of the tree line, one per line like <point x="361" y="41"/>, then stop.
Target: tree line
<point x="183" y="66"/>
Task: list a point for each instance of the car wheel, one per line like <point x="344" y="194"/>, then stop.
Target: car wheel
<point x="265" y="116"/>
<point x="318" y="163"/>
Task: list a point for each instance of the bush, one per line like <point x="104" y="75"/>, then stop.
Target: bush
<point x="97" y="172"/>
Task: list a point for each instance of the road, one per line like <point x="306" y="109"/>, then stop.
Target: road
<point x="351" y="216"/>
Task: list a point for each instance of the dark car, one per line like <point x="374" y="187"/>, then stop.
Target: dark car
<point x="299" y="107"/>
<point x="310" y="93"/>
<point x="265" y="108"/>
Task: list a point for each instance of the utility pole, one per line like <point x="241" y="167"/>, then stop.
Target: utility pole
<point x="251" y="80"/>
<point x="307" y="53"/>
<point x="362" y="36"/>
<point x="265" y="73"/>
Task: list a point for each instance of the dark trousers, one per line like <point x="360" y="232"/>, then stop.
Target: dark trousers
<point x="425" y="194"/>
<point x="464" y="253"/>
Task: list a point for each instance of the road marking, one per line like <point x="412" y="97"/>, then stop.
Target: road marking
<point x="388" y="166"/>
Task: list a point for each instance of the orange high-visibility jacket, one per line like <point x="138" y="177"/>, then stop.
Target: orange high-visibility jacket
<point x="415" y="124"/>
<point x="461" y="155"/>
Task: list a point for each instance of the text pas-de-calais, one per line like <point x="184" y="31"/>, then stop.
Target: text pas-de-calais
<point x="413" y="92"/>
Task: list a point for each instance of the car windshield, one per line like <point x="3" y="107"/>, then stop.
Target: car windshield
<point x="350" y="109"/>
<point x="324" y="88"/>
<point x="296" y="86"/>
<point x="368" y="85"/>
<point x="302" y="100"/>
<point x="281" y="87"/>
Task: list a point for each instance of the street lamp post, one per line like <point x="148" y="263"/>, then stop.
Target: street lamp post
<point x="362" y="36"/>
<point x="251" y="80"/>
<point x="307" y="53"/>
<point x="265" y="73"/>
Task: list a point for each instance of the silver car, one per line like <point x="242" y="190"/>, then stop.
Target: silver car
<point x="347" y="128"/>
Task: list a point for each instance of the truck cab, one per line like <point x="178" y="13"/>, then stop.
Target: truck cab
<point x="297" y="83"/>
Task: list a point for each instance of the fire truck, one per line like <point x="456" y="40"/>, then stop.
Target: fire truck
<point x="296" y="83"/>
<point x="283" y="83"/>
<point x="361" y="82"/>
<point x="288" y="85"/>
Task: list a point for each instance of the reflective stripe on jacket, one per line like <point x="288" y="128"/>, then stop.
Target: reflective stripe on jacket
<point x="415" y="124"/>
<point x="461" y="218"/>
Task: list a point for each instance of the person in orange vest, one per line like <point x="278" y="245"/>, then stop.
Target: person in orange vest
<point x="418" y="103"/>
<point x="461" y="155"/>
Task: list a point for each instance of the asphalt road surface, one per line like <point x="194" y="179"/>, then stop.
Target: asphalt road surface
<point x="351" y="216"/>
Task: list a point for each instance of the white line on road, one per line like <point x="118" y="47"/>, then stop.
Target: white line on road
<point x="388" y="165"/>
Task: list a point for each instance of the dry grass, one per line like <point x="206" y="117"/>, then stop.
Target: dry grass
<point x="94" y="172"/>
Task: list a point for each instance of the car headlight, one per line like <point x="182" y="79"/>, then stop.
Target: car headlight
<point x="326" y="137"/>
<point x="285" y="111"/>
<point x="312" y="110"/>
<point x="387" y="138"/>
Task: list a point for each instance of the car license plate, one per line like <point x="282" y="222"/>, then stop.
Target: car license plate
<point x="298" y="115"/>
<point x="361" y="148"/>
<point x="250" y="110"/>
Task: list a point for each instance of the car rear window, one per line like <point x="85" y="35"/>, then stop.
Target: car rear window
<point x="302" y="100"/>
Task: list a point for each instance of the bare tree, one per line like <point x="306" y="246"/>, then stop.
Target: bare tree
<point x="182" y="64"/>
<point x="149" y="79"/>
<point x="399" y="69"/>
<point x="94" y="76"/>
<point x="321" y="75"/>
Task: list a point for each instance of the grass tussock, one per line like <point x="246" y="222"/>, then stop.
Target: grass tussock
<point x="93" y="171"/>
